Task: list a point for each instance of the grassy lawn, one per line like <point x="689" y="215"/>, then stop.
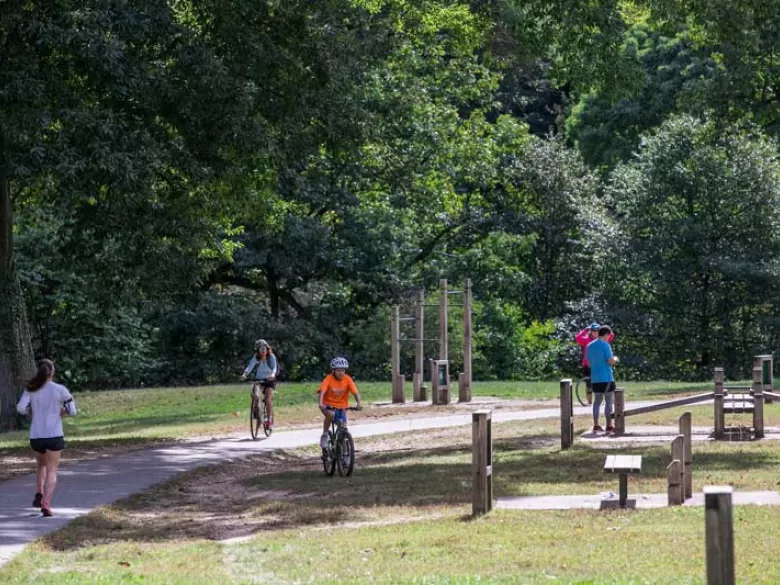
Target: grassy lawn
<point x="117" y="421"/>
<point x="404" y="518"/>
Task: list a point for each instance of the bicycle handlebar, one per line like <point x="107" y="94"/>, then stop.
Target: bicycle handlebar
<point x="348" y="408"/>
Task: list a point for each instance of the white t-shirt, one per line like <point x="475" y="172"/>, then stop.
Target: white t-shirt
<point x="45" y="404"/>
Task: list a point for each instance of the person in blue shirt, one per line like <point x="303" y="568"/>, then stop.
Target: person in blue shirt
<point x="602" y="377"/>
<point x="263" y="368"/>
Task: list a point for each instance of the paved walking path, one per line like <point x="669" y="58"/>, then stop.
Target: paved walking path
<point x="91" y="484"/>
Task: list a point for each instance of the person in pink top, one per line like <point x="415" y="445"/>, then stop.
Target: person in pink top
<point x="583" y="338"/>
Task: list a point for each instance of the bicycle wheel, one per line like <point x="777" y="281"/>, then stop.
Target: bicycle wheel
<point x="255" y="419"/>
<point x="328" y="460"/>
<point x="345" y="458"/>
<point x="267" y="428"/>
<point x="581" y="391"/>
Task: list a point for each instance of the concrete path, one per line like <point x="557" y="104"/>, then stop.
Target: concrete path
<point x="91" y="484"/>
<point x="609" y="501"/>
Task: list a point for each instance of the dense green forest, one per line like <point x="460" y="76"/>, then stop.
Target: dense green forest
<point x="178" y="178"/>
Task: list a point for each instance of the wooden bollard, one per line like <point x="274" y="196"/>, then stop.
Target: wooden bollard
<point x="719" y="527"/>
<point x="685" y="431"/>
<point x="758" y="403"/>
<point x="464" y="388"/>
<point x="620" y="408"/>
<point x="481" y="462"/>
<point x="720" y="415"/>
<point x="674" y="491"/>
<point x="678" y="453"/>
<point x="399" y="397"/>
<point x="418" y="389"/>
<point x="567" y="414"/>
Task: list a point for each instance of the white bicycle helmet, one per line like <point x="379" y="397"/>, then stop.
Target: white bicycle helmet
<point x="261" y="344"/>
<point x="339" y="363"/>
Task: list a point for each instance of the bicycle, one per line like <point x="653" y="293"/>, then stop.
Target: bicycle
<point x="582" y="391"/>
<point x="257" y="413"/>
<point x="340" y="452"/>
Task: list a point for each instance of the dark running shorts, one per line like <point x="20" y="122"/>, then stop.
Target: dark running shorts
<point x="603" y="386"/>
<point x="47" y="444"/>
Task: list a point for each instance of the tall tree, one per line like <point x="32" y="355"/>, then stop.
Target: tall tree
<point x="699" y="217"/>
<point x="108" y="111"/>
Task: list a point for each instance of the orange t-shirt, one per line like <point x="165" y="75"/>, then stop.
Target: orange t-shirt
<point x="336" y="392"/>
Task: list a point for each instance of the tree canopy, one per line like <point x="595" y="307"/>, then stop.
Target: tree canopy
<point x="178" y="178"/>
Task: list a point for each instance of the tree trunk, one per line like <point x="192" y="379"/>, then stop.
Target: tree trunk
<point x="273" y="293"/>
<point x="16" y="356"/>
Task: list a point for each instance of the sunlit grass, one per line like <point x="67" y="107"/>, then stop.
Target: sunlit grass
<point x="404" y="517"/>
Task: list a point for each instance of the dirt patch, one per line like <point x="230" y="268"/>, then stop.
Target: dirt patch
<point x="399" y="477"/>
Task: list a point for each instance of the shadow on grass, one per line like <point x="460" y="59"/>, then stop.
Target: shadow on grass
<point x="290" y="491"/>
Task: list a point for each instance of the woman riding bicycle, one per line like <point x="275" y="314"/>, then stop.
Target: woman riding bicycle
<point x="334" y="396"/>
<point x="263" y="369"/>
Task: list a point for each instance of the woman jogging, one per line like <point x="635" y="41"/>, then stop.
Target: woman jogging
<point x="47" y="402"/>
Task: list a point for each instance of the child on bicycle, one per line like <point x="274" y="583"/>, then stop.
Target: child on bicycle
<point x="601" y="360"/>
<point x="583" y="338"/>
<point x="263" y="369"/>
<point x="334" y="396"/>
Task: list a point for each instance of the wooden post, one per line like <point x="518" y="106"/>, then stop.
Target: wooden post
<point x="567" y="415"/>
<point x="464" y="391"/>
<point x="434" y="382"/>
<point x="685" y="431"/>
<point x="397" y="379"/>
<point x="678" y="453"/>
<point x="464" y="388"/>
<point x="719" y="527"/>
<point x="758" y="402"/>
<point x="443" y="320"/>
<point x="674" y="491"/>
<point x="418" y="388"/>
<point x="720" y="415"/>
<point x="481" y="462"/>
<point x="619" y="414"/>
<point x="418" y="392"/>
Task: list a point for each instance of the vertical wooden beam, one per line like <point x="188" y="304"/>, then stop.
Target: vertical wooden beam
<point x="395" y="334"/>
<point x="720" y="415"/>
<point x="685" y="431"/>
<point x="482" y="462"/>
<point x="719" y="527"/>
<point x="619" y="414"/>
<point x="464" y="387"/>
<point x="418" y="393"/>
<point x="443" y="353"/>
<point x="678" y="453"/>
<point x="674" y="491"/>
<point x="758" y="402"/>
<point x="567" y="414"/>
<point x="435" y="399"/>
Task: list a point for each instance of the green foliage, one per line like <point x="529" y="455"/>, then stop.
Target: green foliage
<point x="698" y="218"/>
<point x="508" y="348"/>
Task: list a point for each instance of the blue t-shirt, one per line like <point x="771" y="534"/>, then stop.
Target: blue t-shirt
<point x="598" y="352"/>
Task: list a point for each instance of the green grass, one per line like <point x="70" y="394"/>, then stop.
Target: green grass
<point x="404" y="518"/>
<point x="133" y="416"/>
<point x="130" y="419"/>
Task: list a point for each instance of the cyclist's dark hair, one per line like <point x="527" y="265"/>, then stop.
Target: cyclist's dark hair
<point x="605" y="330"/>
<point x="45" y="369"/>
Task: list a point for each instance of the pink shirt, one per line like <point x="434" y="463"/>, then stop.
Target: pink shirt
<point x="583" y="338"/>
